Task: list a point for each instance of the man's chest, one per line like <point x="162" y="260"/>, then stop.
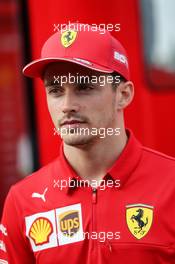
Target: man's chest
<point x="99" y="224"/>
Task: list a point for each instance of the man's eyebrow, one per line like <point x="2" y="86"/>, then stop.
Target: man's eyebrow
<point x="50" y="82"/>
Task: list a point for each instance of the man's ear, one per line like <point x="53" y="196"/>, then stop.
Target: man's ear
<point x="125" y="94"/>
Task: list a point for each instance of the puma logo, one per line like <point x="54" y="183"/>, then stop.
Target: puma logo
<point x="41" y="196"/>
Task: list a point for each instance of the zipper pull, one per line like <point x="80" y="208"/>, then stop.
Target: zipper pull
<point x="94" y="195"/>
<point x="109" y="245"/>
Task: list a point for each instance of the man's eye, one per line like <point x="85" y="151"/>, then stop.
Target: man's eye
<point x="55" y="91"/>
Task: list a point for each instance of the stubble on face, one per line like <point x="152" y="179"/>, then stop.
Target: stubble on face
<point x="88" y="132"/>
<point x="97" y="109"/>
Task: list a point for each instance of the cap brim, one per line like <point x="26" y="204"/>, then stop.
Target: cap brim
<point x="36" y="67"/>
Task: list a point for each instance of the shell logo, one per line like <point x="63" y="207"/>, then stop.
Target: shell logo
<point x="40" y="231"/>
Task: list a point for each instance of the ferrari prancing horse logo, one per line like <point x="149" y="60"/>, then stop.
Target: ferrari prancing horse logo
<point x="139" y="219"/>
<point x="68" y="37"/>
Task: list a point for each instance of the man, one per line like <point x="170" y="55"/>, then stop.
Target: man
<point x="106" y="198"/>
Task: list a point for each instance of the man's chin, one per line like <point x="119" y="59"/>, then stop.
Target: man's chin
<point x="77" y="140"/>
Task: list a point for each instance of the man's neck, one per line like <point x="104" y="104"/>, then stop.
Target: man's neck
<point x="93" y="163"/>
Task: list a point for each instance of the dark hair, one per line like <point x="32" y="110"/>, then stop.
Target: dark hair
<point x="117" y="76"/>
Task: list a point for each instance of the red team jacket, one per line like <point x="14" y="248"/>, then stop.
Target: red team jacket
<point x="53" y="217"/>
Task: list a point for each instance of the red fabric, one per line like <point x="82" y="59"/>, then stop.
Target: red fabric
<point x="106" y="54"/>
<point x="146" y="178"/>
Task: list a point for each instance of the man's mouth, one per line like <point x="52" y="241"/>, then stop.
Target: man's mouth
<point x="71" y="123"/>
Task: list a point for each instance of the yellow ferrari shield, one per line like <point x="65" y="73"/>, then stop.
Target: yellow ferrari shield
<point x="68" y="37"/>
<point x="139" y="218"/>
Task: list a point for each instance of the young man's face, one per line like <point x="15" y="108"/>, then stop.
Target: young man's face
<point x="77" y="107"/>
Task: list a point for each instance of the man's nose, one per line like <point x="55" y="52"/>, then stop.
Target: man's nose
<point x="70" y="103"/>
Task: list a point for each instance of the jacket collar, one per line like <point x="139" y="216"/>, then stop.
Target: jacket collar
<point x="121" y="170"/>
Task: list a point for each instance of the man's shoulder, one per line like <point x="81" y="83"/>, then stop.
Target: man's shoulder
<point x="29" y="195"/>
<point x="150" y="156"/>
<point x="158" y="155"/>
<point x="158" y="159"/>
<point x="39" y="177"/>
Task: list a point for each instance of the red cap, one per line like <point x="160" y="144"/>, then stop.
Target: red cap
<point x="87" y="47"/>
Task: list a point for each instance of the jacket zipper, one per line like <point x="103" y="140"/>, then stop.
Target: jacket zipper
<point x="94" y="201"/>
<point x="94" y="218"/>
<point x="94" y="195"/>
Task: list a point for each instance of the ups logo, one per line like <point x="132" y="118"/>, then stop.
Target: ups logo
<point x="69" y="223"/>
